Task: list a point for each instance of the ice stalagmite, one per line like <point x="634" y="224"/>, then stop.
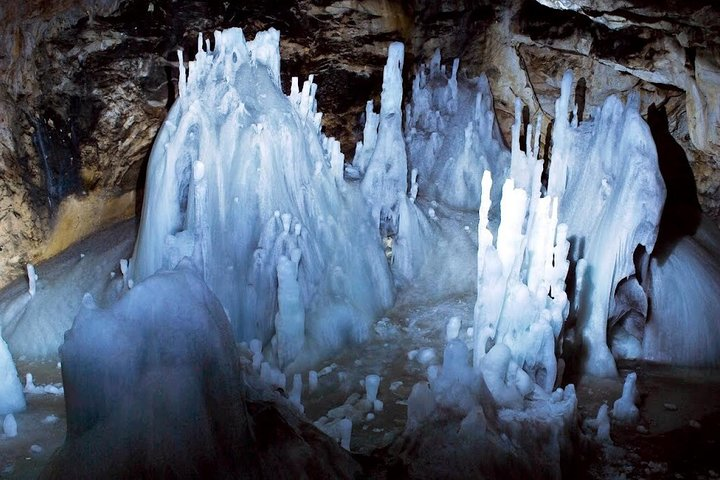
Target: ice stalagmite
<point x="290" y="319"/>
<point x="240" y="177"/>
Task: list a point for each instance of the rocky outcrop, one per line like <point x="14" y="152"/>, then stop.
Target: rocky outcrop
<point x="85" y="84"/>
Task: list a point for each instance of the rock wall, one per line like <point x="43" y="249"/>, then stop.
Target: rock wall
<point x="85" y="84"/>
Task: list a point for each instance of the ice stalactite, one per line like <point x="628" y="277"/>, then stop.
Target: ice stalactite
<point x="606" y="176"/>
<point x="234" y="151"/>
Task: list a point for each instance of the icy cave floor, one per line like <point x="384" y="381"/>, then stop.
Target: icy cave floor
<point x="678" y="435"/>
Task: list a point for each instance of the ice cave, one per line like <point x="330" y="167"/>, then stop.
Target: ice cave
<point x="301" y="239"/>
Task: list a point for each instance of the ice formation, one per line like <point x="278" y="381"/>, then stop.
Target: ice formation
<point x="602" y="425"/>
<point x="11" y="391"/>
<point x="10" y="426"/>
<point x="34" y="326"/>
<point x="31" y="388"/>
<point x="683" y="287"/>
<point x="32" y="279"/>
<point x="599" y="168"/>
<point x="384" y="181"/>
<point x="243" y="185"/>
<point x="521" y="302"/>
<point x="242" y="181"/>
<point x="163" y="353"/>
<point x="452" y="136"/>
<point x="624" y="409"/>
<point x="372" y="383"/>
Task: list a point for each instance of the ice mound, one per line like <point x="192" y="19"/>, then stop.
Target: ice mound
<point x="154" y="371"/>
<point x="241" y="179"/>
<point x="494" y="408"/>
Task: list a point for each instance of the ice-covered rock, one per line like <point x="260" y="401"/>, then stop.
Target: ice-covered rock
<point x="164" y="356"/>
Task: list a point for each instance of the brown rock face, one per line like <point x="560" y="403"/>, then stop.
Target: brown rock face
<point x="84" y="85"/>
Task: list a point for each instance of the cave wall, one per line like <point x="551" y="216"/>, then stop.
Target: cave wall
<point x="85" y="84"/>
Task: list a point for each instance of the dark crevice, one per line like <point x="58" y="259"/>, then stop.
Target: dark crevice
<point x="681" y="214"/>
